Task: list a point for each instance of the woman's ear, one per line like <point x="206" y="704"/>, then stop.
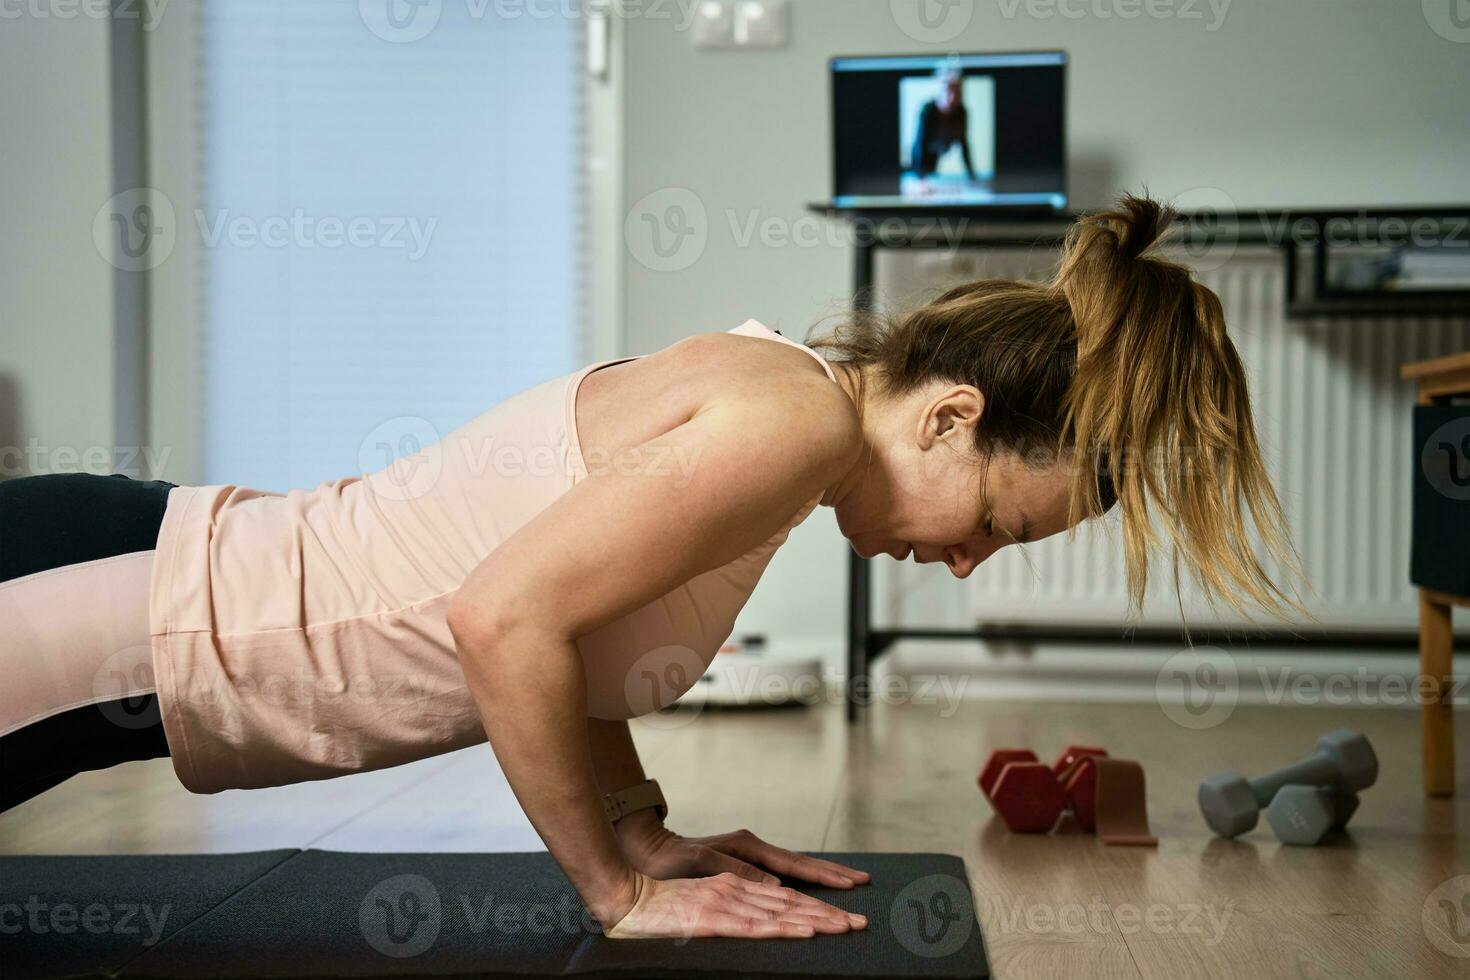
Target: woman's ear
<point x="951" y="416"/>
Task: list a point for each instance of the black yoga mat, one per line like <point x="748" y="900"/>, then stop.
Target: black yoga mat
<point x="331" y="914"/>
<point x="90" y="916"/>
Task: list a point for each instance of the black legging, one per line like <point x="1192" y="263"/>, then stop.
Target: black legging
<point x="47" y="522"/>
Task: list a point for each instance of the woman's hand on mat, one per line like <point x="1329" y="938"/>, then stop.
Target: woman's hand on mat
<point x="726" y="905"/>
<point x="660" y="853"/>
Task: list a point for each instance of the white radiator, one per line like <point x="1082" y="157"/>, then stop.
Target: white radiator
<point x="1335" y="422"/>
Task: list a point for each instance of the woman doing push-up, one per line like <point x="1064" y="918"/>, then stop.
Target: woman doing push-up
<point x="575" y="556"/>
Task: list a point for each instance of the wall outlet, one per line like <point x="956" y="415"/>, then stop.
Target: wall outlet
<point x="740" y="24"/>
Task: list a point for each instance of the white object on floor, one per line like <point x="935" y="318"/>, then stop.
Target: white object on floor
<point x="758" y="680"/>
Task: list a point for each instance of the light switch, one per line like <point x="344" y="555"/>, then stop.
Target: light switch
<point x="714" y="24"/>
<point x="740" y="24"/>
<point x="760" y="23"/>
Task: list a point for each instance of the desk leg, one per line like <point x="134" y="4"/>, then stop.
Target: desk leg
<point x="1436" y="655"/>
<point x="858" y="578"/>
<point x="859" y="569"/>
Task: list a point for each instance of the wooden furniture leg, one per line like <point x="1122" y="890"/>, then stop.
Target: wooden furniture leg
<point x="1436" y="655"/>
<point x="1439" y="380"/>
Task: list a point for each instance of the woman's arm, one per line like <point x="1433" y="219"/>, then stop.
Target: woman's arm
<point x="614" y="756"/>
<point x="621" y="538"/>
<point x="532" y="697"/>
<point x="658" y="852"/>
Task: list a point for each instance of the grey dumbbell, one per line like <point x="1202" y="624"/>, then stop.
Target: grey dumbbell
<point x="1344" y="761"/>
<point x="1345" y="804"/>
<point x="1303" y="815"/>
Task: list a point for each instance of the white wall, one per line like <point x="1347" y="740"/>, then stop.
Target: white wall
<point x="56" y="291"/>
<point x="1311" y="102"/>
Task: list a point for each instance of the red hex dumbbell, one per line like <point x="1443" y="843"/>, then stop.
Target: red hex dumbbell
<point x="1073" y="754"/>
<point x="1029" y="796"/>
<point x="998" y="760"/>
<point x="1078" y="777"/>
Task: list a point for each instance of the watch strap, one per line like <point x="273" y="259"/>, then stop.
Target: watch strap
<point x="641" y="796"/>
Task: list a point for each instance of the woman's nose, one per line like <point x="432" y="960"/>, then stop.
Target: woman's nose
<point x="961" y="560"/>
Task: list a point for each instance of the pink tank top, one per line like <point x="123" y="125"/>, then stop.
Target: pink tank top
<point x="302" y="636"/>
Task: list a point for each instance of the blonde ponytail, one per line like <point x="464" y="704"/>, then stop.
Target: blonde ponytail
<point x="1161" y="393"/>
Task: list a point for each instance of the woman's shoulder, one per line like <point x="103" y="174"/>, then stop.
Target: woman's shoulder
<point x="775" y="394"/>
<point x="734" y="354"/>
<point x="763" y="378"/>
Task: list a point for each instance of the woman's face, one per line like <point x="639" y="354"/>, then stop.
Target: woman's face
<point x="926" y="493"/>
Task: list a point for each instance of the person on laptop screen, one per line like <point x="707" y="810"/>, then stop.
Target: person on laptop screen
<point x="943" y="124"/>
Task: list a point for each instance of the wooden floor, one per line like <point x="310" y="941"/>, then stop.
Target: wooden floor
<point x="904" y="780"/>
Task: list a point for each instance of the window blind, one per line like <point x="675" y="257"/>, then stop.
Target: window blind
<point x="390" y="226"/>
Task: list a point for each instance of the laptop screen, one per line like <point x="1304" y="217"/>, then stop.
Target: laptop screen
<point x="960" y="130"/>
